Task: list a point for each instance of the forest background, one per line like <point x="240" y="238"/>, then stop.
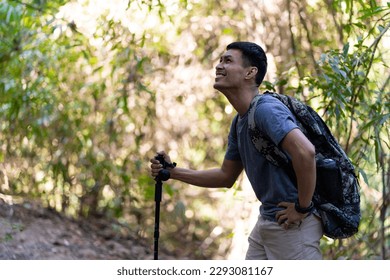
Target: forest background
<point x="91" y="90"/>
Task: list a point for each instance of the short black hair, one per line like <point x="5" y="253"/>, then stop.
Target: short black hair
<point x="253" y="55"/>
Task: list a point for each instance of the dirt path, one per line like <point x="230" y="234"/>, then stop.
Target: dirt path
<point x="30" y="232"/>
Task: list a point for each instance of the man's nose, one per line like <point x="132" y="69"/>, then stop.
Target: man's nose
<point x="219" y="66"/>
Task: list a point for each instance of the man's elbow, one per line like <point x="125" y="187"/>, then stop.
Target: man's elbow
<point x="229" y="186"/>
<point x="303" y="154"/>
<point x="309" y="153"/>
<point x="228" y="183"/>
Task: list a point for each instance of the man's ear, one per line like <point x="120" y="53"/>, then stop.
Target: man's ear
<point x="251" y="73"/>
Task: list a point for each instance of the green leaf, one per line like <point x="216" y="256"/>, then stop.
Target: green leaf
<point x="345" y="49"/>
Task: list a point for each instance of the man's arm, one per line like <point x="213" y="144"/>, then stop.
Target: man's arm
<point x="223" y="177"/>
<point x="302" y="154"/>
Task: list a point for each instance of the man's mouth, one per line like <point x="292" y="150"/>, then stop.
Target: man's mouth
<point x="219" y="74"/>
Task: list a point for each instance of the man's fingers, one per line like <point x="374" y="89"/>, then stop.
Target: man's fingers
<point x="282" y="219"/>
<point x="283" y="204"/>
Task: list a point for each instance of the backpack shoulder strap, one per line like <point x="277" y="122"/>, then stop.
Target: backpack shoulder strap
<point x="261" y="141"/>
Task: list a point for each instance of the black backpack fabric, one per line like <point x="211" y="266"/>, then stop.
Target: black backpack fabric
<point x="336" y="195"/>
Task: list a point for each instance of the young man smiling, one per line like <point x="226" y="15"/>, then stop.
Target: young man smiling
<point x="286" y="228"/>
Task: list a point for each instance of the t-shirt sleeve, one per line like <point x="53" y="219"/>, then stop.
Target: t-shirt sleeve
<point x="232" y="152"/>
<point x="275" y="120"/>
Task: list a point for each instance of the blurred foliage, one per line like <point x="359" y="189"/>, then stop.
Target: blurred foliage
<point x="90" y="90"/>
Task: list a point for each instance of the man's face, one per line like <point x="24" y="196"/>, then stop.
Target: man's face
<point x="230" y="72"/>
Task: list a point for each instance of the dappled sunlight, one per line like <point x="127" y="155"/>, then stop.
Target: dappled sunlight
<point x="91" y="90"/>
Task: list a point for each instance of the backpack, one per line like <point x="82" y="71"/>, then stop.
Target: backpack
<point x="336" y="196"/>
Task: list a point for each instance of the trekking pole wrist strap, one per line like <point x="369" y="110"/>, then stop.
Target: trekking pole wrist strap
<point x="305" y="210"/>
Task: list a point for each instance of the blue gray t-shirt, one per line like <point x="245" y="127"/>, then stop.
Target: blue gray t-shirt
<point x="271" y="184"/>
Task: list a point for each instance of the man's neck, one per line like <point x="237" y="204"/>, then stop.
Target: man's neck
<point x="241" y="100"/>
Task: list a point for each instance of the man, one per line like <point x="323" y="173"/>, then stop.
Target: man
<point x="286" y="228"/>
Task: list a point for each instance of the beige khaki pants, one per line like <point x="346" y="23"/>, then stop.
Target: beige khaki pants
<point x="270" y="241"/>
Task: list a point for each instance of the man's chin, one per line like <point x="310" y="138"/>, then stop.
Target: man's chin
<point x="217" y="86"/>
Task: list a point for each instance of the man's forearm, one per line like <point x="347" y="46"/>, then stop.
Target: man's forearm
<point x="305" y="172"/>
<point x="212" y="178"/>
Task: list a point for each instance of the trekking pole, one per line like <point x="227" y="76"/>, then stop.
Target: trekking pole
<point x="163" y="175"/>
<point x="157" y="198"/>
